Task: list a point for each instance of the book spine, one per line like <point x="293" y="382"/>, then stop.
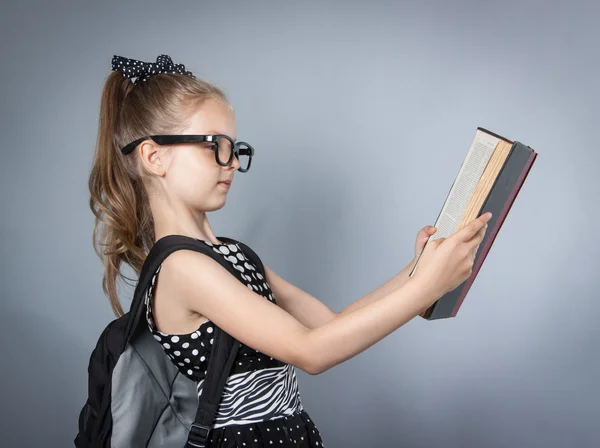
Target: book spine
<point x="494" y="134"/>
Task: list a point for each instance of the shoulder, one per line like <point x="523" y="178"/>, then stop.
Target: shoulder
<point x="193" y="277"/>
<point x="187" y="265"/>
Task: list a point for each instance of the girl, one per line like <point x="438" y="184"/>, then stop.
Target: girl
<point x="166" y="154"/>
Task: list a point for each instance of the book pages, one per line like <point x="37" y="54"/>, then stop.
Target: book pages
<point x="470" y="172"/>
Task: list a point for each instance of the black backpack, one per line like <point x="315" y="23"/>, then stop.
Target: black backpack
<point x="136" y="396"/>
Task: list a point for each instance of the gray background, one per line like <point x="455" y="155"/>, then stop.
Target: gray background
<point x="361" y="113"/>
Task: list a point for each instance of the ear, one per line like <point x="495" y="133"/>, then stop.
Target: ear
<point x="152" y="157"/>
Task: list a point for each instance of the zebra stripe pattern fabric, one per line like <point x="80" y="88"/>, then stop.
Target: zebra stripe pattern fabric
<point x="252" y="397"/>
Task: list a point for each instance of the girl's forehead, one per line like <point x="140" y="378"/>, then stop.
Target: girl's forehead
<point x="212" y="117"/>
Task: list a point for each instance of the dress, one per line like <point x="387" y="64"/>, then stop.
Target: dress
<point x="260" y="405"/>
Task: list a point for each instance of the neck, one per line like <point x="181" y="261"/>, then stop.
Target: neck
<point x="193" y="225"/>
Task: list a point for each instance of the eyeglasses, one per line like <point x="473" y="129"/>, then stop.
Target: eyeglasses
<point x="223" y="146"/>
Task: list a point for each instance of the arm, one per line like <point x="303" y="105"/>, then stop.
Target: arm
<point x="314" y="313"/>
<point x="394" y="283"/>
<point x="307" y="309"/>
<point x="266" y="327"/>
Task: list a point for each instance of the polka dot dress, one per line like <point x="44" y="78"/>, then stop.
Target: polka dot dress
<point x="261" y="404"/>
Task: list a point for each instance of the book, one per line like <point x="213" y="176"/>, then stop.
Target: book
<point x="489" y="180"/>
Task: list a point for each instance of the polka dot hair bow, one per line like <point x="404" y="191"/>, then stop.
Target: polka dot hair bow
<point x="141" y="71"/>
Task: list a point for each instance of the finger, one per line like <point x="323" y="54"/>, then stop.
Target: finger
<point x="426" y="232"/>
<point x="473" y="254"/>
<point x="481" y="234"/>
<point x="421" y="242"/>
<point x="470" y="230"/>
<point x="431" y="230"/>
<point x="475" y="242"/>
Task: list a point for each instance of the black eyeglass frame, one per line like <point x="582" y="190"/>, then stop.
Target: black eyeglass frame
<point x="213" y="138"/>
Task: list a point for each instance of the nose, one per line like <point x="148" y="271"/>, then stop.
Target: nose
<point x="235" y="163"/>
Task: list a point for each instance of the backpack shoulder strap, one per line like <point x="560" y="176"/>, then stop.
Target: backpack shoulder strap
<point x="221" y="361"/>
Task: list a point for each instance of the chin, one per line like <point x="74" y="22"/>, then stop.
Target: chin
<point x="211" y="203"/>
<point x="217" y="206"/>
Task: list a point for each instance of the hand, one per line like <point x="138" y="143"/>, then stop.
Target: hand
<point x="447" y="262"/>
<point x="422" y="238"/>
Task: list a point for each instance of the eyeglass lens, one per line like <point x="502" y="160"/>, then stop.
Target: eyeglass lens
<point x="225" y="148"/>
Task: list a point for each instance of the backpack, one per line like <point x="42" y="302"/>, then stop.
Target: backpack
<point x="136" y="396"/>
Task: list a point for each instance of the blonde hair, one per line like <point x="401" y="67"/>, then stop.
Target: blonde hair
<point x="123" y="224"/>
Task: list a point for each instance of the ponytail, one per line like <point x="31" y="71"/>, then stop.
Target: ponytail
<point x="116" y="199"/>
<point x="123" y="225"/>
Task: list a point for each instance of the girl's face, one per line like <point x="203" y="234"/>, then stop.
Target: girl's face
<point x="193" y="175"/>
